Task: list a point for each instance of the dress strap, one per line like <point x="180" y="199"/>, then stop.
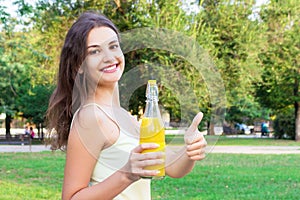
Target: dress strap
<point x="107" y="114"/>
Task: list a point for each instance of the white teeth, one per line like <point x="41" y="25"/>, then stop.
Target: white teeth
<point x="110" y="68"/>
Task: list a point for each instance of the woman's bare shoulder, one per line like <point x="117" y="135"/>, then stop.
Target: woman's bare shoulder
<point x="88" y="116"/>
<point x="88" y="126"/>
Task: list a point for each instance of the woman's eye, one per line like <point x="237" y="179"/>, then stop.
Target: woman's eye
<point x="95" y="51"/>
<point x="115" y="46"/>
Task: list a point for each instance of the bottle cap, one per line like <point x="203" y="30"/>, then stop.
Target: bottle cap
<point x="152" y="82"/>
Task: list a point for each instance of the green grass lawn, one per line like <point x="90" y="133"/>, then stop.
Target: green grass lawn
<point x="37" y="176"/>
<point x="232" y="176"/>
<point x="31" y="176"/>
<point x="223" y="140"/>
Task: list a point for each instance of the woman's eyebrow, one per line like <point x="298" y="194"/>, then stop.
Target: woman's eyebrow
<point x="99" y="46"/>
<point x="94" y="45"/>
<point x="114" y="41"/>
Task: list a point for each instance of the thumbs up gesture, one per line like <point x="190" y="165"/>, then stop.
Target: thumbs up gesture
<point x="194" y="140"/>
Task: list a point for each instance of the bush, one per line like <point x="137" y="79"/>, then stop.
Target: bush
<point x="284" y="124"/>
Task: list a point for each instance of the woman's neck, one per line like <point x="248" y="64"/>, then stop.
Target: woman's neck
<point x="107" y="96"/>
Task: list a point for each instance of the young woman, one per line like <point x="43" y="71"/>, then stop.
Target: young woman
<point x="103" y="157"/>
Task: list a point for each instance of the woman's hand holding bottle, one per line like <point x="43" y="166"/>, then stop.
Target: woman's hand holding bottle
<point x="138" y="161"/>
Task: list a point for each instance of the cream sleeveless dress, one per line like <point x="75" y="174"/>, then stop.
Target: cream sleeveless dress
<point x="115" y="157"/>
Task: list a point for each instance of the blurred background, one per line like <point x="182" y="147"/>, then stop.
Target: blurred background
<point x="255" y="46"/>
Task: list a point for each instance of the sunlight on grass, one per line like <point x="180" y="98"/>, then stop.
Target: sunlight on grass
<point x="39" y="176"/>
<point x="31" y="175"/>
<point x="229" y="176"/>
<point x="27" y="191"/>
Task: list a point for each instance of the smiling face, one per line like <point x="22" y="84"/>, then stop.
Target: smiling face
<point x="105" y="61"/>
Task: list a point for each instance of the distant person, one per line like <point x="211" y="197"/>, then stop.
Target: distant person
<point x="26" y="131"/>
<point x="264" y="129"/>
<point x="31" y="133"/>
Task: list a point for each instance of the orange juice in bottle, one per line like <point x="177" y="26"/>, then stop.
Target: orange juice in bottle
<point x="152" y="127"/>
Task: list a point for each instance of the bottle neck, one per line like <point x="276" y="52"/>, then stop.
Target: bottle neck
<point x="152" y="108"/>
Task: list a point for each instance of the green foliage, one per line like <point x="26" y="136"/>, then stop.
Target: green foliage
<point x="33" y="103"/>
<point x="279" y="87"/>
<point x="14" y="69"/>
<point x="166" y="65"/>
<point x="19" y="75"/>
<point x="247" y="111"/>
<point x="256" y="57"/>
<point x="237" y="40"/>
<point x="284" y="124"/>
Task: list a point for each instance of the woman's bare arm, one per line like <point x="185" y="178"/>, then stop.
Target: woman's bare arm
<point x="179" y="163"/>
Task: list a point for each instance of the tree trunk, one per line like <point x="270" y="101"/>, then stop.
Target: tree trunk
<point x="297" y="110"/>
<point x="7" y="126"/>
<point x="297" y="122"/>
<point x="39" y="130"/>
<point x="210" y="128"/>
<point x="42" y="131"/>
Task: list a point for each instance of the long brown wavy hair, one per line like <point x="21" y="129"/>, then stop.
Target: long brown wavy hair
<point x="71" y="91"/>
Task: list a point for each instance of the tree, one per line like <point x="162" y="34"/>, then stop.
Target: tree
<point x="279" y="88"/>
<point x="159" y="15"/>
<point x="34" y="104"/>
<point x="13" y="68"/>
<point x="216" y="28"/>
<point x="237" y="40"/>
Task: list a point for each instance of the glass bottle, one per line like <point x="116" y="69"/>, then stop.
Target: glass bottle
<point x="152" y="127"/>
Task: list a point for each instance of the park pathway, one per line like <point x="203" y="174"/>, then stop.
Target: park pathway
<point x="210" y="149"/>
<point x="24" y="148"/>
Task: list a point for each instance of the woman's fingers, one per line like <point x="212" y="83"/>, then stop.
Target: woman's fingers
<point x="196" y="150"/>
<point x="200" y="144"/>
<point x="138" y="161"/>
<point x="145" y="146"/>
<point x="147" y="159"/>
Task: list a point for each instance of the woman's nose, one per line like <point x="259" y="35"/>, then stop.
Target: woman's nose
<point x="108" y="56"/>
